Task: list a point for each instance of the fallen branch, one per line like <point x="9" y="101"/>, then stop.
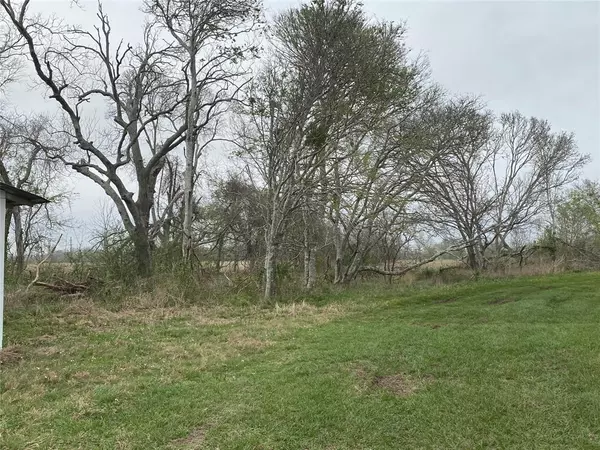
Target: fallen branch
<point x="581" y="251"/>
<point x="416" y="265"/>
<point x="37" y="268"/>
<point x="64" y="288"/>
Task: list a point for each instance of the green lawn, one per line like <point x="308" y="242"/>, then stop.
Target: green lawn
<point x="504" y="364"/>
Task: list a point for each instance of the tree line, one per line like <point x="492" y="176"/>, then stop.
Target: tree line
<point x="346" y="157"/>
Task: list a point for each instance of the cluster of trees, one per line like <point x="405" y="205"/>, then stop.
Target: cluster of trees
<point x="576" y="230"/>
<point x="347" y="157"/>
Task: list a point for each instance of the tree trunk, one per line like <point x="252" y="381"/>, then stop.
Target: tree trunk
<point x="312" y="268"/>
<point x="143" y="251"/>
<point x="353" y="268"/>
<point x="338" y="240"/>
<point x="190" y="158"/>
<point x="166" y="236"/>
<point x="7" y="219"/>
<point x="19" y="242"/>
<point x="249" y="258"/>
<point x="475" y="257"/>
<point x="306" y="257"/>
<point x="339" y="256"/>
<point x="219" y="254"/>
<point x="270" y="265"/>
<point x="14" y="215"/>
<point x="472" y="258"/>
<point x="187" y="244"/>
<point x="310" y="256"/>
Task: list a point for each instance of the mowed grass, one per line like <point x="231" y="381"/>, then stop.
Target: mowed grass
<point x="495" y="364"/>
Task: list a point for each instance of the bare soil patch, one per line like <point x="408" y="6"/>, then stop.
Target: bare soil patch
<point x="193" y="440"/>
<point x="398" y="384"/>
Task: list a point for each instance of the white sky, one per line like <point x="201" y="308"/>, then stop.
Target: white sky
<point x="542" y="58"/>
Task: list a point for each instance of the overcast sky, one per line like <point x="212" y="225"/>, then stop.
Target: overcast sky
<point x="542" y="58"/>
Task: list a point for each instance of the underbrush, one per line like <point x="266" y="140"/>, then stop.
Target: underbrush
<point x="110" y="282"/>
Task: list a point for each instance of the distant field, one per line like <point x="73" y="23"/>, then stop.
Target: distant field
<point x="65" y="266"/>
<point x="230" y="266"/>
<point x="437" y="264"/>
<point x="504" y="364"/>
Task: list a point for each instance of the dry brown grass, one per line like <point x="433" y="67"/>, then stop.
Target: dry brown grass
<point x="242" y="266"/>
<point x="242" y="340"/>
<point x="237" y="331"/>
<point x="11" y="354"/>
<point x="442" y="264"/>
<point x="84" y="312"/>
<point x="303" y="309"/>
<point x="533" y="268"/>
<point x="47" y="351"/>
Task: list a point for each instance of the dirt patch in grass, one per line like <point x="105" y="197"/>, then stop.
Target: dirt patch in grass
<point x="193" y="440"/>
<point x="10" y="355"/>
<point x="502" y="300"/>
<point x="82" y="375"/>
<point x="397" y="384"/>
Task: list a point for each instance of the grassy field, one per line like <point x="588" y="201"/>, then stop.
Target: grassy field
<point x="495" y="364"/>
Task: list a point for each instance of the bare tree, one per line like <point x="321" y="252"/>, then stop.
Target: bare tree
<point x="454" y="187"/>
<point x="137" y="89"/>
<point x="271" y="139"/>
<point x="210" y="45"/>
<point x="529" y="163"/>
<point x="25" y="166"/>
<point x="165" y="221"/>
<point x="493" y="175"/>
<point x="395" y="240"/>
<point x="10" y="49"/>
